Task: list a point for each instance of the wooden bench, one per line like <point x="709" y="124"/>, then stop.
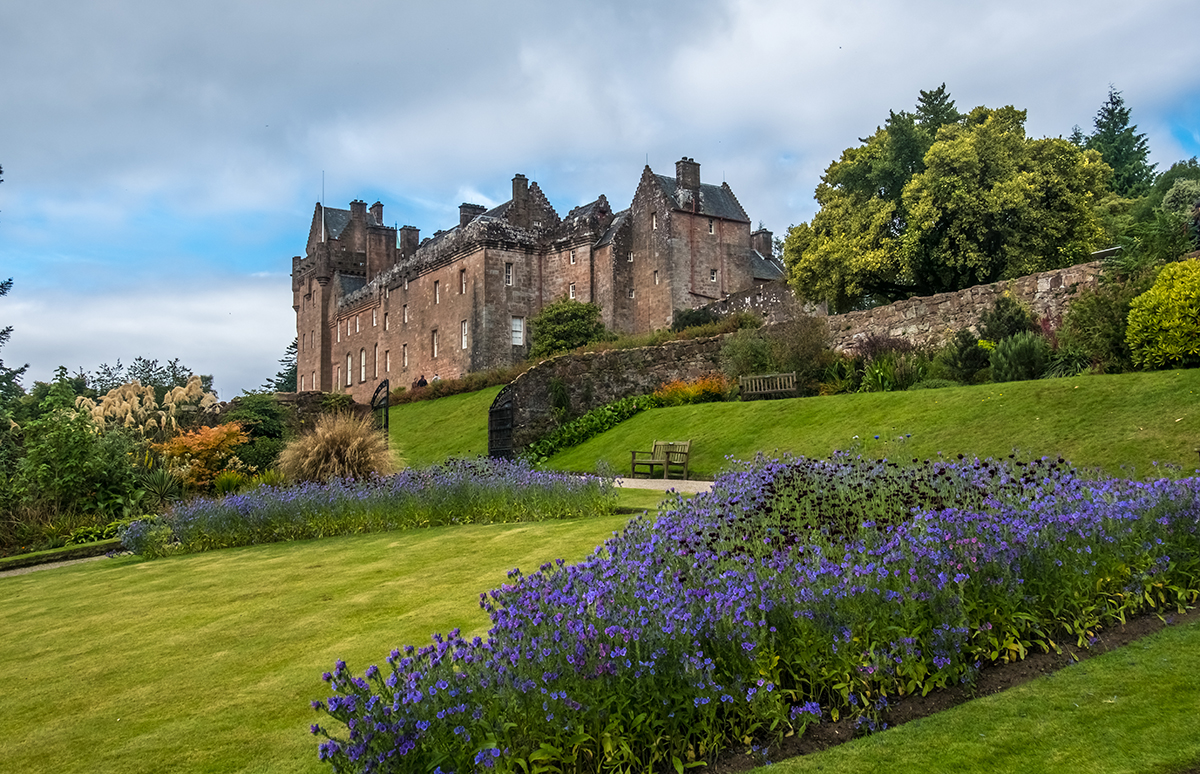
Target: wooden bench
<point x="671" y="456"/>
<point x="763" y="385"/>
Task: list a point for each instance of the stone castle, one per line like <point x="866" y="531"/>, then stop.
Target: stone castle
<point x="374" y="302"/>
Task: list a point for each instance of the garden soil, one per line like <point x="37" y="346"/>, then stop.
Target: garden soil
<point x="992" y="679"/>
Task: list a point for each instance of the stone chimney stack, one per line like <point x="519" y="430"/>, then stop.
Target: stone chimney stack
<point x="518" y="211"/>
<point x="410" y="239"/>
<point x="358" y="210"/>
<point x="468" y="213"/>
<point x="687" y="174"/>
<point x="377" y="213"/>
<point x="763" y="241"/>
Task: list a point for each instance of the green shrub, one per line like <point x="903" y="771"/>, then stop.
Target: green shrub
<point x="1007" y="317"/>
<point x="1096" y="323"/>
<point x="747" y="352"/>
<point x="963" y="358"/>
<point x="1068" y="360"/>
<point x="565" y="325"/>
<point x="260" y="453"/>
<point x="94" y="533"/>
<point x="148" y="536"/>
<point x="162" y="487"/>
<point x="691" y="318"/>
<point x="340" y="446"/>
<point x="1020" y="357"/>
<point x="1164" y="322"/>
<point x="802" y="345"/>
<point x="591" y="424"/>
<point x="229" y="482"/>
<point x="272" y="477"/>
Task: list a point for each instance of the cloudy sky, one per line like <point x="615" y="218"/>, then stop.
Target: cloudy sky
<point x="161" y="160"/>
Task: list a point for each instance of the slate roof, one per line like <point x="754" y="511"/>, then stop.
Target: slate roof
<point x="335" y="222"/>
<point x="610" y="233"/>
<point x="716" y="201"/>
<point x="351" y="283"/>
<point x="764" y="268"/>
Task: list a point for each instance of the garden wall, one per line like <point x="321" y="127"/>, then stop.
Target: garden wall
<point x="934" y="319"/>
<point x="595" y="378"/>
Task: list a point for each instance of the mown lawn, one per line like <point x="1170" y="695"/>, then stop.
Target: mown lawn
<point x="429" y="431"/>
<point x="1122" y="424"/>
<point x="207" y="662"/>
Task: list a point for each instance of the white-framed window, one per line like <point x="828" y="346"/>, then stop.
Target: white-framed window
<point x="508" y="274"/>
<point x="349" y="369"/>
<point x="385" y="321"/>
<point x="347" y="327"/>
<point x="631" y="292"/>
<point x="434" y="342"/>
<point x="571" y="290"/>
<point x="356" y="322"/>
<point x="375" y="361"/>
<point x="313" y="382"/>
<point x="711" y="226"/>
<point x="387" y="361"/>
<point x="462" y="330"/>
<point x="302" y="378"/>
<point x="406" y="283"/>
<point x="437" y="291"/>
<point x="656" y="276"/>
<point x="630" y="258"/>
<point x="654" y="221"/>
<point x="462" y="281"/>
<point x="362" y="364"/>
<point x="518" y="331"/>
<point x="387" y="292"/>
<point x="374" y="317"/>
<point x="406" y="314"/>
<point x="337" y="376"/>
<point x="339" y="327"/>
<point x="712" y="275"/>
<point x="404" y="356"/>
<point x="572" y="257"/>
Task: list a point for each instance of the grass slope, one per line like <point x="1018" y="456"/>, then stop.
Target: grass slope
<point x="1119" y="423"/>
<point x="429" y="431"/>
<point x="207" y="662"/>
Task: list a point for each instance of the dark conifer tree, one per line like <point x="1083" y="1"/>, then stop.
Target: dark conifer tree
<point x="1122" y="147"/>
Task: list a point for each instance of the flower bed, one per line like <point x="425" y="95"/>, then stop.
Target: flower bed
<point x="795" y="590"/>
<point x="477" y="491"/>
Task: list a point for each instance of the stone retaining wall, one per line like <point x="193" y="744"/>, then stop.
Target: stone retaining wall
<point x="596" y="378"/>
<point x="931" y="320"/>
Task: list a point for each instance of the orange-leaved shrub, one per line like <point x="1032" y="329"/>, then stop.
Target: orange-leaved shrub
<point x="340" y="446"/>
<point x="708" y="388"/>
<point x="198" y="456"/>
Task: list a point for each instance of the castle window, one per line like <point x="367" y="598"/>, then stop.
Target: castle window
<point x="387" y="361"/>
<point x="437" y="291"/>
<point x="356" y="321"/>
<point x="387" y="292"/>
<point x="337" y="376"/>
<point x="349" y="369"/>
<point x="463" y="333"/>
<point x="571" y="290"/>
<point x="405" y="314"/>
<point x="302" y="378"/>
<point x="508" y="274"/>
<point x="631" y="292"/>
<point x="434" y="342"/>
<point x="385" y="321"/>
<point x="630" y="258"/>
<point x="313" y="382"/>
<point x="339" y="327"/>
<point x="712" y="275"/>
<point x="653" y="221"/>
<point x="572" y="257"/>
<point x="710" y="226"/>
<point x="374" y="317"/>
<point x="406" y="283"/>
<point x="375" y="361"/>
<point x="518" y="331"/>
<point x="362" y="365"/>
<point x="462" y="281"/>
<point x="404" y="356"/>
<point x="656" y="276"/>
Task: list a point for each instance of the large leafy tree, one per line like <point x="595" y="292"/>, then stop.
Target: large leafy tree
<point x="935" y="201"/>
<point x="1123" y="148"/>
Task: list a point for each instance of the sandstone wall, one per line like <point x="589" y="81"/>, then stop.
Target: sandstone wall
<point x="597" y="378"/>
<point x="934" y="319"/>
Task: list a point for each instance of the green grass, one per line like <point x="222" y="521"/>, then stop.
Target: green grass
<point x="429" y="431"/>
<point x="207" y="662"/>
<point x="1119" y="423"/>
<point x="1136" y="709"/>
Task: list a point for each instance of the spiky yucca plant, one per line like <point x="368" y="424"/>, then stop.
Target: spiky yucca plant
<point x="340" y="446"/>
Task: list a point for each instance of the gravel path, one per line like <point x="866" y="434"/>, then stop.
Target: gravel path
<point x="47" y="566"/>
<point x="688" y="487"/>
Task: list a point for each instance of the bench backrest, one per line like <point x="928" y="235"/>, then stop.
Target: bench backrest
<point x="759" y="383"/>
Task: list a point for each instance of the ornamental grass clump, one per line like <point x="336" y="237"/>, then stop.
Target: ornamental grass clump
<point x="796" y="590"/>
<point x="341" y="445"/>
<point x="459" y="492"/>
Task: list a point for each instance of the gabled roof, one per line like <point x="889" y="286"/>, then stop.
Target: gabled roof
<point x="716" y="201"/>
<point x="335" y="222"/>
<point x="765" y="268"/>
<point x="610" y="233"/>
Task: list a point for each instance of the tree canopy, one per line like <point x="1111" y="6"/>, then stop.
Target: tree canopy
<point x="1122" y="147"/>
<point x="936" y="201"/>
<point x="565" y="325"/>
